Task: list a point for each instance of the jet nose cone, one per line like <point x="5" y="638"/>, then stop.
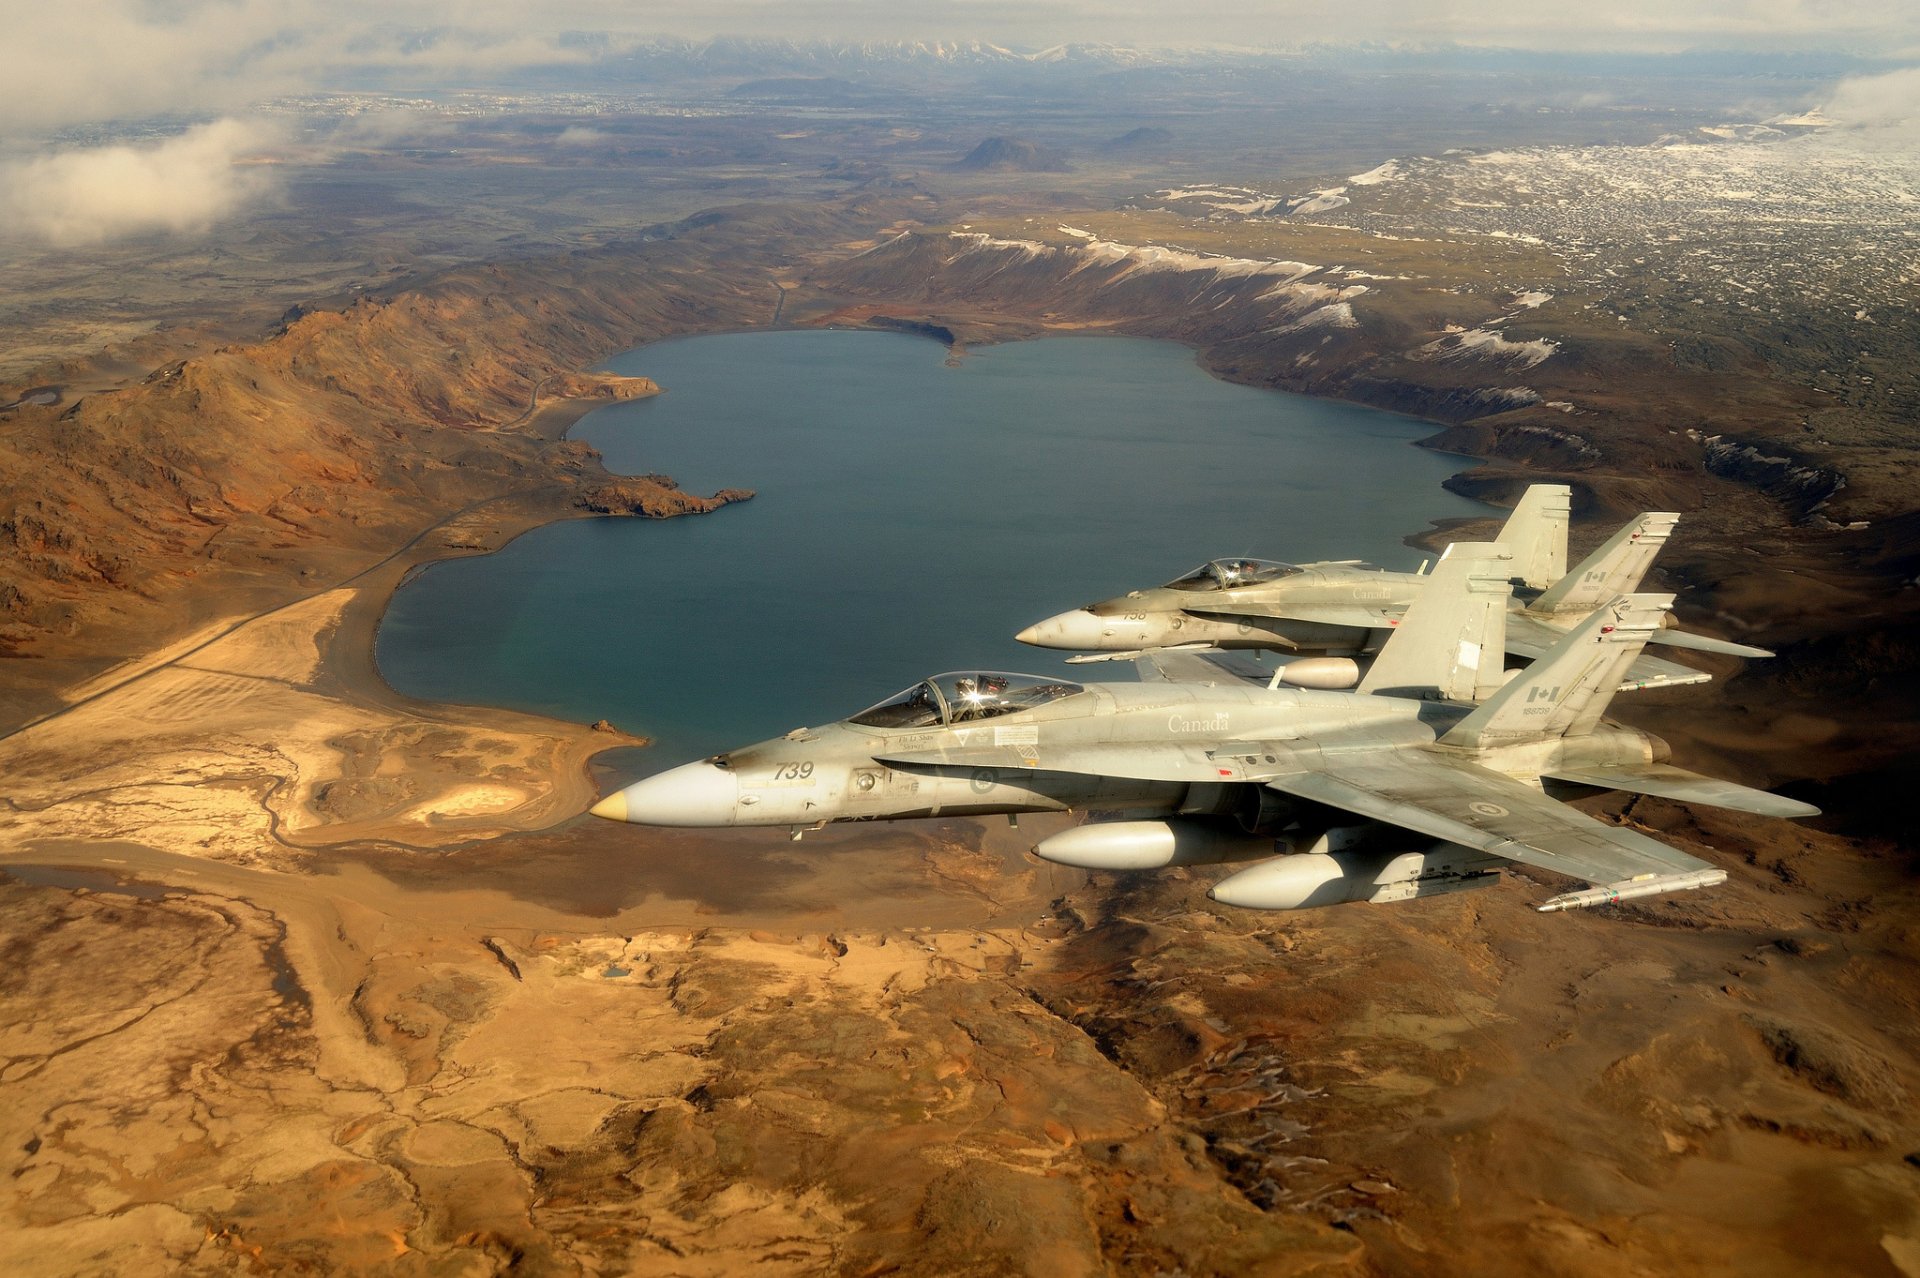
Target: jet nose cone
<point x="695" y="794"/>
<point x="1076" y="631"/>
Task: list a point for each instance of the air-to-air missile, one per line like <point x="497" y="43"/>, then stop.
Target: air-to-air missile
<point x="1343" y="608"/>
<point x="1431" y="775"/>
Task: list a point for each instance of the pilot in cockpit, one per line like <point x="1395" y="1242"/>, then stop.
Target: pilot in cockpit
<point x="977" y="696"/>
<point x="967" y="700"/>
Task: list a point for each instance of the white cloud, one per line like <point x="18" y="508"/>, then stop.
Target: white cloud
<point x="118" y="59"/>
<point x="1879" y="103"/>
<point x="394" y="127"/>
<point x="182" y="185"/>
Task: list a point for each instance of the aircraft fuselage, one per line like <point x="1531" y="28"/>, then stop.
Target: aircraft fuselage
<point x="1150" y="748"/>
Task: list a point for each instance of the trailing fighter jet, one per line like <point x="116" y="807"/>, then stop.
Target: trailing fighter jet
<point x="1345" y="606"/>
<point x="1429" y="778"/>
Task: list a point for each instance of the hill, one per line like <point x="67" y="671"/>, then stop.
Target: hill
<point x="1012" y="155"/>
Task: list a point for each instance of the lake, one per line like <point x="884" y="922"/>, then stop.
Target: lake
<point x="912" y="515"/>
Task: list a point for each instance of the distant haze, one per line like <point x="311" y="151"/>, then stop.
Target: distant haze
<point x="183" y="78"/>
<point x="133" y="58"/>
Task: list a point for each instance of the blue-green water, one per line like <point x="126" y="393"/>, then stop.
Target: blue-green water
<point x="911" y="517"/>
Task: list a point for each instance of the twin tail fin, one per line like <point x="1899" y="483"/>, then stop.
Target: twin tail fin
<point x="1567" y="690"/>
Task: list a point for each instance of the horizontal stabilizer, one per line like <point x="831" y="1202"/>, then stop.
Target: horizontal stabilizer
<point x="1669" y="782"/>
<point x="1530" y="637"/>
<point x="1702" y="643"/>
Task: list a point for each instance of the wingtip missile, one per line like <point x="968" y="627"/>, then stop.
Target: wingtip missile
<point x="1652" y="885"/>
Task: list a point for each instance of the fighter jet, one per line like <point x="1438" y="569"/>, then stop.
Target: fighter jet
<point x="1431" y="776"/>
<point x="1345" y="607"/>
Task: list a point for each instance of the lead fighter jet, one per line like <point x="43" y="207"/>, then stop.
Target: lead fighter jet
<point x="1429" y="778"/>
<point x="1345" y="606"/>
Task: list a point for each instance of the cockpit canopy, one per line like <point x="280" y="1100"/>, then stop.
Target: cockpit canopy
<point x="963" y="698"/>
<point x="1231" y="574"/>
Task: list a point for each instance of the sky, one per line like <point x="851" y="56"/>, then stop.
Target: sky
<point x="207" y="62"/>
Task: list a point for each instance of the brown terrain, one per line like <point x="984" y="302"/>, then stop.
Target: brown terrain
<point x="302" y="975"/>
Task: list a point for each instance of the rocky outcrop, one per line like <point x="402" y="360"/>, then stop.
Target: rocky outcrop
<point x="608" y="386"/>
<point x="653" y="497"/>
<point x="1807" y="488"/>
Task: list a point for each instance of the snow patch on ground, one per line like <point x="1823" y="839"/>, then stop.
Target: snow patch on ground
<point x="1334" y="197"/>
<point x="1153" y="258"/>
<point x="1144" y="259"/>
<point x="1296" y="303"/>
<point x="1076" y="232"/>
<point x="1508" y="397"/>
<point x="1299" y="297"/>
<point x="1332" y="315"/>
<point x="1740" y="132"/>
<point x="978" y="240"/>
<point x="1532" y="300"/>
<point x="1487" y="345"/>
<point x="1248" y="208"/>
<point x="1388" y="172"/>
<point x="1239" y="200"/>
<point x="1199" y="193"/>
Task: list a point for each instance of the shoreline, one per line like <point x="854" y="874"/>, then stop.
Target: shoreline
<point x="288" y="702"/>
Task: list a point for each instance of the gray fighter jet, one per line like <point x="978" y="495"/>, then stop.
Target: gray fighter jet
<point x="1436" y="772"/>
<point x="1345" y="607"/>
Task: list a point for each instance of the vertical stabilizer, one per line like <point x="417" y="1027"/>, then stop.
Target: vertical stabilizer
<point x="1452" y="642"/>
<point x="1536" y="533"/>
<point x="1565" y="692"/>
<point x="1616" y="569"/>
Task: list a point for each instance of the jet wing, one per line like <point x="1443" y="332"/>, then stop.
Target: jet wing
<point x="1469" y="805"/>
<point x="1193" y="665"/>
<point x="1530" y="637"/>
<point x="1355" y="615"/>
<point x="1670" y="782"/>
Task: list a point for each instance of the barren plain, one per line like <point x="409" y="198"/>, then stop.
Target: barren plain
<point x="305" y="976"/>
